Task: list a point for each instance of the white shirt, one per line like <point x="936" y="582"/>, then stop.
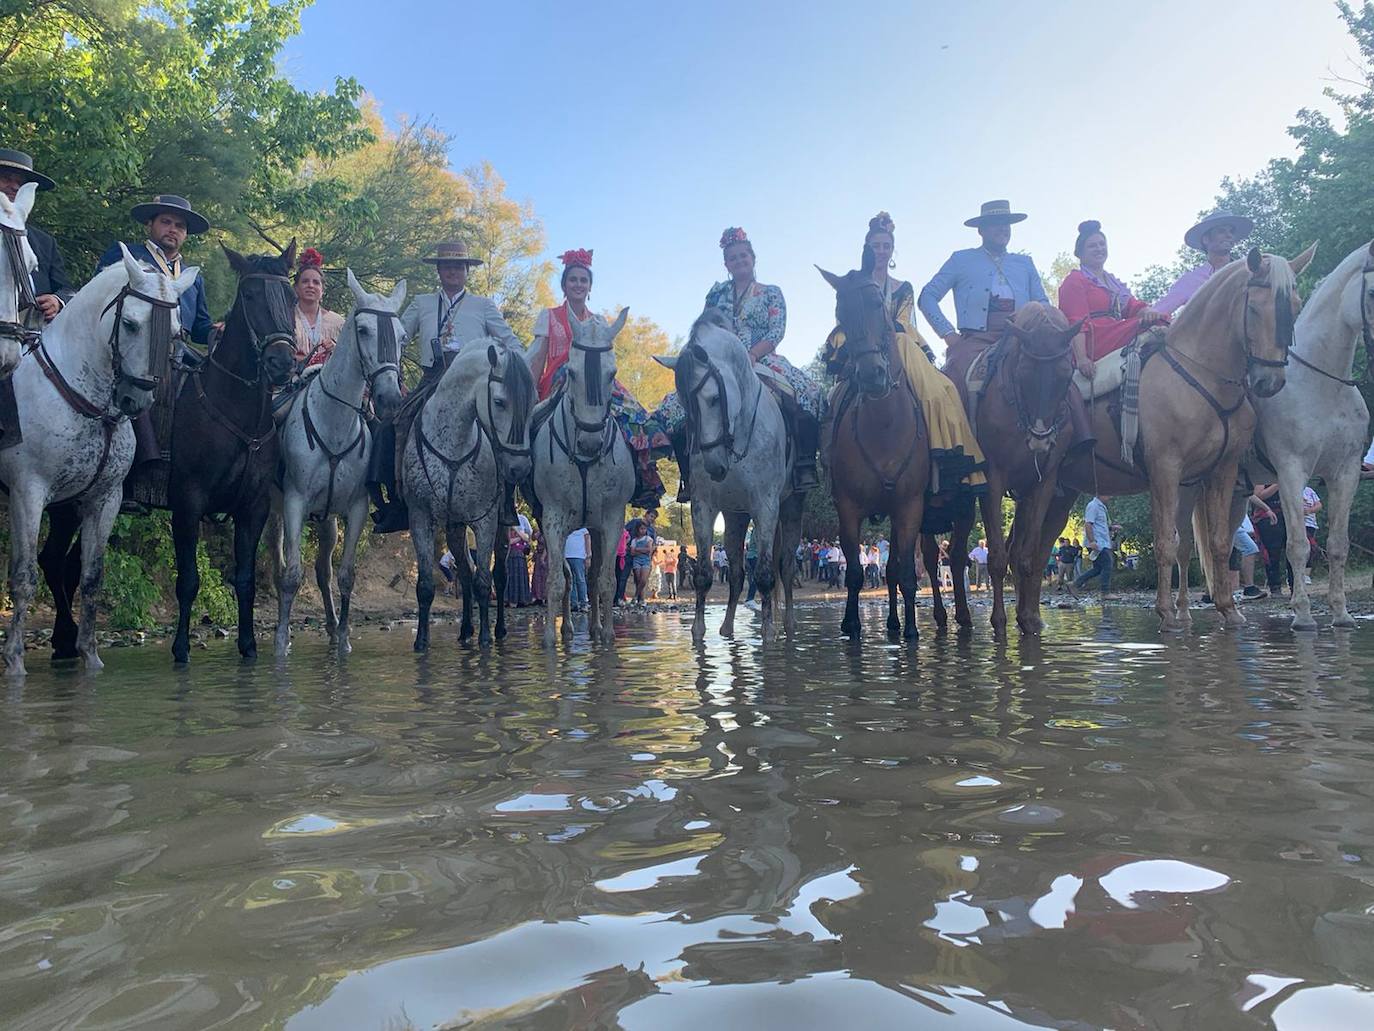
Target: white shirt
<point x="1369" y="455"/>
<point x="1309" y="497"/>
<point x="576" y="544"/>
<point x="979" y="555"/>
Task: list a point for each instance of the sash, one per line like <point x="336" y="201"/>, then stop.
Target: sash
<point x="171" y="270"/>
<point x="559" y="347"/>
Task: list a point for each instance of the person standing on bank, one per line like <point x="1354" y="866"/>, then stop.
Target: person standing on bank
<point x="441" y="323"/>
<point x="990" y="284"/>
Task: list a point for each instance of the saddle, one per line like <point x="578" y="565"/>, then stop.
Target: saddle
<point x="979" y="374"/>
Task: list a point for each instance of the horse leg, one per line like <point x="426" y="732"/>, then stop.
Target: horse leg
<point x="555" y="539"/>
<point x="1164" y="480"/>
<point x="736" y="526"/>
<point x="908" y="524"/>
<point x="500" y="549"/>
<point x="56" y="562"/>
<point x="1340" y="487"/>
<point x="248" y="527"/>
<point x="765" y="567"/>
<point x="348" y="568"/>
<point x="603" y="578"/>
<point x="997" y="552"/>
<point x="185" y="539"/>
<point x="422" y="537"/>
<point x="958" y="570"/>
<point x="324" y="572"/>
<point x="1218" y="533"/>
<point x="894" y="573"/>
<point x="486" y="533"/>
<point x="789" y="536"/>
<point x="703" y="520"/>
<point x="26" y="514"/>
<point x="292" y="519"/>
<point x="1292" y="479"/>
<point x="850" y="519"/>
<point x="463" y="571"/>
<point x="1040" y="537"/>
<point x="95" y="537"/>
<point x="930" y="554"/>
<point x="1189" y="501"/>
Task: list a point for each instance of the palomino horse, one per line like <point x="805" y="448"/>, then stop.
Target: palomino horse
<point x="469" y="440"/>
<point x="94" y="368"/>
<point x="741" y="465"/>
<point x="1025" y="432"/>
<point x="584" y="474"/>
<point x="879" y="450"/>
<point x="16" y="282"/>
<point x="224" y="444"/>
<point x="1196" y="420"/>
<point x="325" y="443"/>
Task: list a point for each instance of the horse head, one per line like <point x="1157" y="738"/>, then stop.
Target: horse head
<point x="591" y="375"/>
<point x="505" y="413"/>
<point x="1366" y="304"/>
<point x="16" y="277"/>
<point x="862" y="315"/>
<point x="1269" y="311"/>
<point x="144" y="318"/>
<point x="263" y="316"/>
<point x="710" y="374"/>
<point x="1040" y="367"/>
<point x="379" y="337"/>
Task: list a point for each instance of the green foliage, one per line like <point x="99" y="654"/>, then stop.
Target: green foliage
<point x="216" y="598"/>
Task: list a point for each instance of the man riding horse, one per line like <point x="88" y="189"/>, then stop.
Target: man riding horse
<point x="442" y="323"/>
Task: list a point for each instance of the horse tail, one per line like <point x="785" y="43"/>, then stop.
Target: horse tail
<point x="1202" y="539"/>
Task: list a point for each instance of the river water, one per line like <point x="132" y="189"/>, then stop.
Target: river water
<point x="1103" y="830"/>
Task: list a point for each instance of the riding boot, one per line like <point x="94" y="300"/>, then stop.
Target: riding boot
<point x="1083" y="439"/>
<point x="684" y="466"/>
<point x="129" y="505"/>
<point x="808" y="433"/>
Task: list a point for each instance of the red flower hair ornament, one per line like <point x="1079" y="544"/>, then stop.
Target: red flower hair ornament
<point x="733" y="235"/>
<point x="310" y="258"/>
<point x="580" y="258"/>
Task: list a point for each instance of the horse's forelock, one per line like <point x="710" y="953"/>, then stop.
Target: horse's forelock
<point x="519" y="384"/>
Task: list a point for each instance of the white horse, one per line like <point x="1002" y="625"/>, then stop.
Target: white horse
<point x="325" y="447"/>
<point x="584" y="475"/>
<point x="16" y="277"/>
<point x="741" y="465"/>
<point x="469" y="440"/>
<point x="96" y="367"/>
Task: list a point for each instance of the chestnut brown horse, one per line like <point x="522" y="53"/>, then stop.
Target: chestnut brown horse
<point x="1024" y="430"/>
<point x="878" y="449"/>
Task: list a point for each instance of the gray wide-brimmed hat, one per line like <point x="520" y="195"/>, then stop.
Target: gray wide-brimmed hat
<point x="996" y="213"/>
<point x="1240" y="226"/>
<point x="452" y="250"/>
<point x="196" y="223"/>
<point x="18" y="161"/>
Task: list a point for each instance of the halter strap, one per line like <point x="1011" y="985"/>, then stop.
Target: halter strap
<point x="19" y="330"/>
<point x="388" y="353"/>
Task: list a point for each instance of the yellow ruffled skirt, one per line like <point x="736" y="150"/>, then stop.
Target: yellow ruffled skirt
<point x="951" y="436"/>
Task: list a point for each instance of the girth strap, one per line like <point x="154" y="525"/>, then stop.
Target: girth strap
<point x="1223" y="413"/>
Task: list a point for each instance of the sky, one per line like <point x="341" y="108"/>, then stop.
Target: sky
<point x="641" y="130"/>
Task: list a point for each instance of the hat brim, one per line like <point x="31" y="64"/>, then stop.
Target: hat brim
<point x="1241" y="226"/>
<point x="1010" y="218"/>
<point x="30" y="176"/>
<point x="195" y="223"/>
<point x="454" y="261"/>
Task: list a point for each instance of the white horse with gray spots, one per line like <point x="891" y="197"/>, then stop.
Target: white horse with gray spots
<point x="741" y="466"/>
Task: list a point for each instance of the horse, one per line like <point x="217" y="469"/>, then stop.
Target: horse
<point x="94" y="368"/>
<point x="879" y="450"/>
<point x="1023" y="427"/>
<point x="741" y="465"/>
<point x="16" y="282"/>
<point x="469" y="440"/>
<point x="325" y="445"/>
<point x="583" y="474"/>
<point x="1196" y="420"/>
<point x="224" y="443"/>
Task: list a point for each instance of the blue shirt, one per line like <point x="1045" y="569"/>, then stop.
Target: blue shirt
<point x="1095" y="518"/>
<point x="194" y="313"/>
<point x="972" y="275"/>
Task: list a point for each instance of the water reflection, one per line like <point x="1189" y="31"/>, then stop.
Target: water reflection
<point x="1095" y="829"/>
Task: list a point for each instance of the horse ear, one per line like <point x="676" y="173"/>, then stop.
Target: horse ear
<point x="237" y="261"/>
<point x="1255" y="260"/>
<point x="830" y="277"/>
<point x="353" y="285"/>
<point x="1073" y="330"/>
<point x="23" y="202"/>
<point x="288" y="256"/>
<point x="492" y="357"/>
<point x="186" y="280"/>
<point x="668" y="361"/>
<point x="619" y="322"/>
<point x="398" y="296"/>
<point x="132" y="267"/>
<point x="1304" y="259"/>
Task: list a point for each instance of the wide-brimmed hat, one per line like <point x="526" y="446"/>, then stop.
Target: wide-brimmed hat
<point x="995" y="213"/>
<point x="1240" y="226"/>
<point x="196" y="223"/>
<point x="17" y="160"/>
<point x="452" y="250"/>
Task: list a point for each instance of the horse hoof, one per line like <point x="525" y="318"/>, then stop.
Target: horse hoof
<point x="16" y="669"/>
<point x="421" y="647"/>
<point x="1343" y="622"/>
<point x="911" y="634"/>
<point x="484" y="640"/>
<point x="501" y="633"/>
<point x="1305" y="625"/>
<point x="94" y="663"/>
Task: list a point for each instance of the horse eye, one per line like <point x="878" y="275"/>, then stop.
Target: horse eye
<point x="499" y="402"/>
<point x="130" y="325"/>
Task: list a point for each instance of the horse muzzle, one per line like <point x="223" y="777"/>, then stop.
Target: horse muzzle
<point x="515" y="467"/>
<point x="1268" y="382"/>
<point x="715" y="464"/>
<point x="386" y="397"/>
<point x="278" y="360"/>
<point x="133" y="397"/>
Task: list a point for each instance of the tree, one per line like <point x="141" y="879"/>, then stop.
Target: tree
<point x="1059" y="270"/>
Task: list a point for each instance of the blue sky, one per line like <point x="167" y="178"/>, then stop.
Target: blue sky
<point x="643" y="129"/>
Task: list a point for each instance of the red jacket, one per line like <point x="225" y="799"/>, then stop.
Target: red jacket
<point x="1081" y="298"/>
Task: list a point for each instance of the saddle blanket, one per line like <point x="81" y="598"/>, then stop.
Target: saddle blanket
<point x="1108" y="372"/>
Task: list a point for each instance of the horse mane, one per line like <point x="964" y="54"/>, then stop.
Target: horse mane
<point x="709" y="323"/>
<point x="520" y="393"/>
<point x="1334" y="282"/>
<point x="1281" y="280"/>
<point x="279" y="307"/>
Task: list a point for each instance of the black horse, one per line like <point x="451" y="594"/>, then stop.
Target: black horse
<point x="224" y="443"/>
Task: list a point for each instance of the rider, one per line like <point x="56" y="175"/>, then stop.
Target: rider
<point x="441" y="323"/>
<point x="758" y="314"/>
<point x="1112" y="317"/>
<point x="548" y="357"/>
<point x="989" y="285"/>
<point x="168" y="220"/>
<point x="317" y="328"/>
<point x="952" y="441"/>
<point x="1214" y="236"/>
<point x="51" y="287"/>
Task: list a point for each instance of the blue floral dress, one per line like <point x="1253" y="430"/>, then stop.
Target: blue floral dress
<point x="762" y="316"/>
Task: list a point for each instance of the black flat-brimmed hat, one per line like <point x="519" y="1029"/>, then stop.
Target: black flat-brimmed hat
<point x="995" y="213"/>
<point x="18" y="161"/>
<point x="452" y="250"/>
<point x="1240" y="226"/>
<point x="196" y="223"/>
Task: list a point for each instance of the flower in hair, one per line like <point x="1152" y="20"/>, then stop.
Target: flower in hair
<point x="733" y="235"/>
<point x="311" y="258"/>
<point x="580" y="257"/>
<point x="881" y="223"/>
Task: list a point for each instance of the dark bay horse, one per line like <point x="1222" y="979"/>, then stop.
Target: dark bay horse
<point x="879" y="449"/>
<point x="1024" y="430"/>
<point x="224" y="443"/>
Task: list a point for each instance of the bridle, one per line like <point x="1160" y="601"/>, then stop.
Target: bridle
<point x="259" y="343"/>
<point x="1023" y="418"/>
<point x="388" y="353"/>
<point x="593" y="387"/>
<point x="1281" y="301"/>
<point x="517" y="425"/>
<point x="1366" y="335"/>
<point x="882" y="350"/>
<point x="159" y="341"/>
<point x="725" y="438"/>
<point x="23" y="284"/>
